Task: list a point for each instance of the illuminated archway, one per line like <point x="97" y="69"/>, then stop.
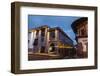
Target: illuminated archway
<point x="52" y="47"/>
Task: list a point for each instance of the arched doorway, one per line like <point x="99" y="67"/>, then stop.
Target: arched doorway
<point x="52" y="47"/>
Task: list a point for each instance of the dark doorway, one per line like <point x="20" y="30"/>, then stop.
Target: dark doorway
<point x="42" y="49"/>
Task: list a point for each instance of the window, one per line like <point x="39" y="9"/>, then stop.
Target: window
<point x="43" y="32"/>
<point x="83" y="32"/>
<point x="35" y="42"/>
<point x="37" y="32"/>
<point x="42" y="39"/>
<point x="42" y="49"/>
<point x="52" y="34"/>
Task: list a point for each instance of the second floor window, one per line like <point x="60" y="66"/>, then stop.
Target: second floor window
<point x="52" y="34"/>
<point x="42" y="39"/>
<point x="43" y="32"/>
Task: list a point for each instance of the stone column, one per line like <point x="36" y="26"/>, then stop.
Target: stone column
<point x="46" y="40"/>
<point x="56" y="33"/>
<point x="33" y="39"/>
<point x="56" y="39"/>
<point x="39" y="41"/>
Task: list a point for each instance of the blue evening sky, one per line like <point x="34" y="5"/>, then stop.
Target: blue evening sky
<point x="64" y="22"/>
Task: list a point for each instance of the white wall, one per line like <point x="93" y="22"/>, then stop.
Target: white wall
<point x="31" y="38"/>
<point x="5" y="33"/>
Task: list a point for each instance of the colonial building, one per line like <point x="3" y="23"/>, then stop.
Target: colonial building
<point x="80" y="27"/>
<point x="51" y="41"/>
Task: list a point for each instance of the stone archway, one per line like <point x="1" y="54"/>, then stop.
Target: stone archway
<point x="52" y="47"/>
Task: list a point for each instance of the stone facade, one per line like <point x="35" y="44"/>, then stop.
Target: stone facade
<point x="80" y="27"/>
<point x="52" y="41"/>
